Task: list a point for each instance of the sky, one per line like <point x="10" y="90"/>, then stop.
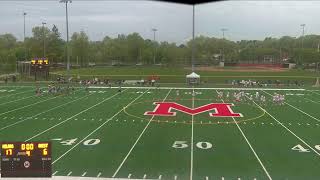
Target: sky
<point x="244" y="20"/>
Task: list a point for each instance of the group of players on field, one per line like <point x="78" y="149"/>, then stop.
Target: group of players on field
<point x="239" y="96"/>
<point x="278" y="99"/>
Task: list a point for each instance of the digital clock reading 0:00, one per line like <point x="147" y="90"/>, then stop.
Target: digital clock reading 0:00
<point x="26" y="159"/>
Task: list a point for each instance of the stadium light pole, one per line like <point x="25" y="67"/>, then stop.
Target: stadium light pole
<point x="44" y="47"/>
<point x="223" y="30"/>
<point x="24" y="35"/>
<point x="67" y="24"/>
<point x="193" y="46"/>
<point x="302" y="25"/>
<point x="154" y="40"/>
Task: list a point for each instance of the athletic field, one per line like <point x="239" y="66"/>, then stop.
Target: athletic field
<point x="104" y="133"/>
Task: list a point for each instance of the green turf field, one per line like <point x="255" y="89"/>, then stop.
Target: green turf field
<point x="178" y="74"/>
<point x="103" y="133"/>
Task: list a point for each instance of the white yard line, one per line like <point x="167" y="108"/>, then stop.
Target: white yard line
<point x="15" y="94"/>
<point x="17" y="100"/>
<point x="249" y="144"/>
<point x="312" y="91"/>
<point x="286" y="128"/>
<point x="312" y="100"/>
<point x="96" y="129"/>
<point x="124" y="160"/>
<point x="72" y="117"/>
<point x="18" y="122"/>
<point x="191" y="153"/>
<point x="28" y="105"/>
<point x="298" y="109"/>
<point x="247" y="89"/>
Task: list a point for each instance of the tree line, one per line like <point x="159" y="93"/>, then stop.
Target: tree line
<point x="134" y="49"/>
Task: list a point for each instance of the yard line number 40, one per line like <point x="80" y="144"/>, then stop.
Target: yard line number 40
<point x="300" y="148"/>
<point x="88" y="142"/>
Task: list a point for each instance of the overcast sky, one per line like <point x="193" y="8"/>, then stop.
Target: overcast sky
<point x="243" y="19"/>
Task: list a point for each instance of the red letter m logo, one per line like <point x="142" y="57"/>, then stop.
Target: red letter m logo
<point x="221" y="109"/>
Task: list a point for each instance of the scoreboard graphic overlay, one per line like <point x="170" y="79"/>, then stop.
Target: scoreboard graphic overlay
<point x="25" y="159"/>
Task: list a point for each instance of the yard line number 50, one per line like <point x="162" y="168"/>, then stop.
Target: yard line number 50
<point x="184" y="144"/>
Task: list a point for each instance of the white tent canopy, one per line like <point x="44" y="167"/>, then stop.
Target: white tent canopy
<point x="193" y="75"/>
<point x="193" y="78"/>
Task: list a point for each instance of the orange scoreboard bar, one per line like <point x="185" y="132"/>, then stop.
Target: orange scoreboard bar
<point x="25" y="159"/>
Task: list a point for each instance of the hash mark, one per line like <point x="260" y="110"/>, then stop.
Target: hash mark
<point x="175" y="177"/>
<point x="84" y="174"/>
<point x="69" y="173"/>
<point x="129" y="176"/>
<point x="99" y="174"/>
<point x="54" y="173"/>
<point x="144" y="176"/>
<point x="207" y="178"/>
<point x="160" y="176"/>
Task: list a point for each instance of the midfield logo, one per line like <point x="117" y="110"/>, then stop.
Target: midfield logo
<point x="221" y="109"/>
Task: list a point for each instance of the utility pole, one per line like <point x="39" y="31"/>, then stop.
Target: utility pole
<point x="67" y="48"/>
<point x="193" y="46"/>
<point x="155" y="46"/>
<point x="24" y="35"/>
<point x="302" y="25"/>
<point x="44" y="45"/>
<point x="223" y="30"/>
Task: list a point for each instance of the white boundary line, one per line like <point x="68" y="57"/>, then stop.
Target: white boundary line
<point x="254" y="152"/>
<point x="297" y="109"/>
<point x="5" y="127"/>
<point x="191" y="153"/>
<point x="133" y="146"/>
<point x="73" y="116"/>
<point x="286" y="128"/>
<point x="97" y="128"/>
<point x="248" y="89"/>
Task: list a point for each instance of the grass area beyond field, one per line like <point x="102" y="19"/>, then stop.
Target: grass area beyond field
<point x="104" y="133"/>
<point x="177" y="74"/>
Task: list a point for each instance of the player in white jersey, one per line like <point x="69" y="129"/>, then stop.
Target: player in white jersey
<point x="238" y="97"/>
<point x="281" y="99"/>
<point x="250" y="97"/>
<point x="227" y="95"/>
<point x="234" y="94"/>
<point x="263" y="99"/>
<point x="274" y="98"/>
<point x="220" y="94"/>
<point x="257" y="95"/>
